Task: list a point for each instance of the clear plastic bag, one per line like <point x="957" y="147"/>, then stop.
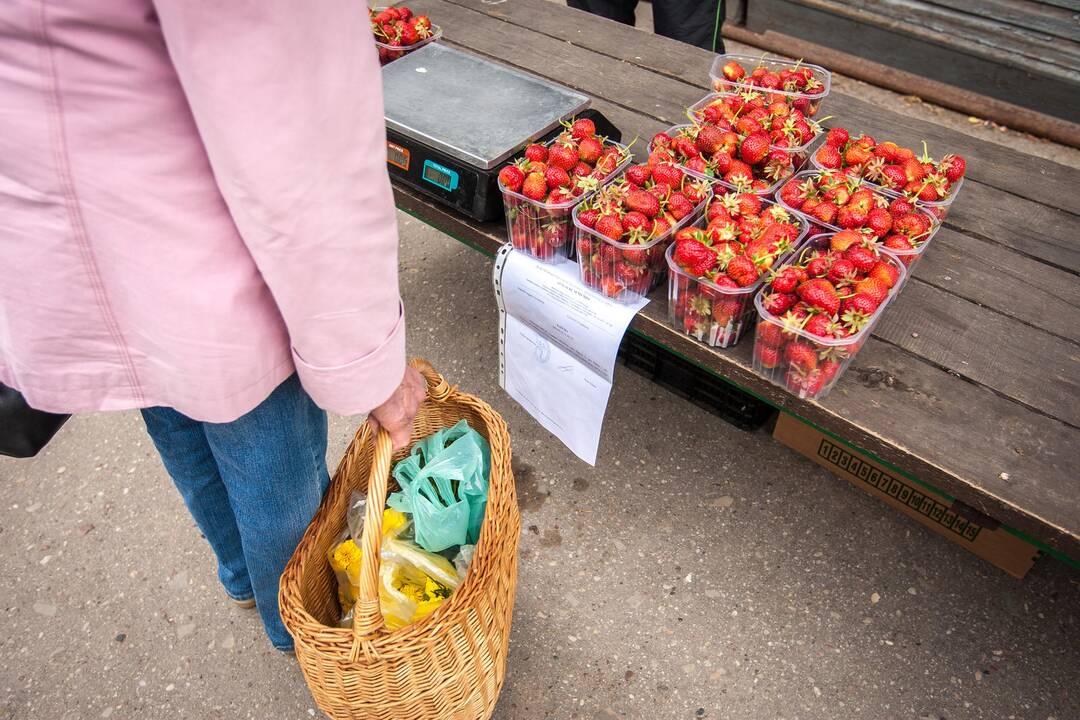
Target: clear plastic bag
<point x="444" y="486"/>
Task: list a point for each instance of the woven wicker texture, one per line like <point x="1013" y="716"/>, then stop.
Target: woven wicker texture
<point x="449" y="665"/>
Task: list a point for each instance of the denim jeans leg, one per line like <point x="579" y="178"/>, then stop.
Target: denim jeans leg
<point x="182" y="445"/>
<point x="273" y="463"/>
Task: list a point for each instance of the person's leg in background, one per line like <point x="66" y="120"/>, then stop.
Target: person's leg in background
<point x="618" y="10"/>
<point x="697" y="22"/>
<point x="272" y="466"/>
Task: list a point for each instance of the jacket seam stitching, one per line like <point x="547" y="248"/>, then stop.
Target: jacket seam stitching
<point x="74" y="210"/>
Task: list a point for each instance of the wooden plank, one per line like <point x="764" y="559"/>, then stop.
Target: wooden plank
<point x="1033" y="229"/>
<point x="995" y="277"/>
<point x="952" y="434"/>
<point x="1047" y="87"/>
<point x="954" y="352"/>
<point x="1045" y="18"/>
<point x="976" y="33"/>
<point x="992" y="164"/>
<point x="1015" y="360"/>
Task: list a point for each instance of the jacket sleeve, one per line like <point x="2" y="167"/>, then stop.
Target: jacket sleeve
<point x="287" y="97"/>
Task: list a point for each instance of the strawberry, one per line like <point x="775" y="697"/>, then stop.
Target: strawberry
<point x="861" y="257"/>
<point x="955" y="167"/>
<point x="821" y="294"/>
<point x="589" y="150"/>
<point x="829" y="157"/>
<point x="511" y="177"/>
<point x="769" y="333"/>
<point x="841" y="270"/>
<point x="743" y="270"/>
<point x="583" y="128"/>
<point x="609" y="226"/>
<point x="819" y="325"/>
<point x="778" y="303"/>
<point x="754" y="148"/>
<point x="667" y="173"/>
<point x="638" y="174"/>
<point x="873" y="288"/>
<point x="679" y="206"/>
<point x="825" y="212"/>
<point x="768" y="356"/>
<point x="694" y="257"/>
<point x="885" y="273"/>
<point x="837" y="137"/>
<point x="801" y="355"/>
<point x="733" y="71"/>
<point x="534" y="186"/>
<point x="556" y="176"/>
<point x="536" y="153"/>
<point x="879" y="220"/>
<point x="588" y="217"/>
<point x="563" y="156"/>
<point x="786" y="280"/>
<point x="844" y="239"/>
<point x="709" y="139"/>
<point x="643" y="202"/>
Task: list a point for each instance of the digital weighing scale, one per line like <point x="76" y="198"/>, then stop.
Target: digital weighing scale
<point x="454" y="119"/>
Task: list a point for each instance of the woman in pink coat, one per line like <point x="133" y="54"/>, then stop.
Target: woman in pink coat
<point x="196" y="220"/>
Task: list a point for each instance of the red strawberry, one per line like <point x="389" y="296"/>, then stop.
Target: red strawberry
<point x="825" y="212"/>
<point x="536" y="153"/>
<point x="786" y="280"/>
<point x="638" y="174"/>
<point x="754" y="148"/>
<point x="589" y="217"/>
<point x="841" y="270"/>
<point x="892" y="176"/>
<point x="679" y="206"/>
<point x="667" y="173"/>
<point x="954" y="167"/>
<point x="837" y="137"/>
<point x="709" y="139"/>
<point x="879" y="221"/>
<point x="829" y="157"/>
<point x="819" y="325"/>
<point x="563" y="156"/>
<point x="589" y="150"/>
<point x="801" y="355"/>
<point x="861" y="257"/>
<point x="884" y="272"/>
<point x="900" y="206"/>
<point x="821" y="294"/>
<point x="583" y="128"/>
<point x="733" y="71"/>
<point x="768" y="356"/>
<point x="694" y="257"/>
<point x="874" y="288"/>
<point x="898" y="242"/>
<point x="778" y="303"/>
<point x="556" y="177"/>
<point x="643" y="202"/>
<point x="769" y="333"/>
<point x="742" y="270"/>
<point x="511" y="177"/>
<point x="844" y="239"/>
<point x="534" y="186"/>
<point x="609" y="226"/>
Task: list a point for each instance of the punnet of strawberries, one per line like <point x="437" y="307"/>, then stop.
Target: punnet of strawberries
<point x="540" y="188"/>
<point x="836" y="201"/>
<point x="627" y="225"/>
<point x="802" y="85"/>
<point x="717" y="268"/>
<point x="892" y="166"/>
<point x="817" y="311"/>
<point x="398" y="30"/>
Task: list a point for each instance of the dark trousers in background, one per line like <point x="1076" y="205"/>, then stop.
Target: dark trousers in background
<point x="696" y="22"/>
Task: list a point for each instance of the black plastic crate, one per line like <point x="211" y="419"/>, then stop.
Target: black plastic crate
<point x="692" y="383"/>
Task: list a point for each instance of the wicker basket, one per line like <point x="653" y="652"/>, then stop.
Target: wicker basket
<point x="450" y="664"/>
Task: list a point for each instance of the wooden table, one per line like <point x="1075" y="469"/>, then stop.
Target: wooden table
<point x="971" y="383"/>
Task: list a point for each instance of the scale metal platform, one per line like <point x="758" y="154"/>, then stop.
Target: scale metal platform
<point x="454" y="119"/>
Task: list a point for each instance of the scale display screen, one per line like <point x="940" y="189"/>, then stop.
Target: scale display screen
<point x="397" y="155"/>
<point x="440" y="175"/>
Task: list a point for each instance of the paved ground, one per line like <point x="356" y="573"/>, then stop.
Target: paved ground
<point x="698" y="571"/>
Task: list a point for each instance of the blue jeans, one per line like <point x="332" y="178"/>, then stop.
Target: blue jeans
<point x="252" y="485"/>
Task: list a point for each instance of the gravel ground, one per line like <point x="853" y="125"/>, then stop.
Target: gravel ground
<point x="697" y="571"/>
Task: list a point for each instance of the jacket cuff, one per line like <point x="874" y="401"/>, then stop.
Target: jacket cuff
<point x="360" y="385"/>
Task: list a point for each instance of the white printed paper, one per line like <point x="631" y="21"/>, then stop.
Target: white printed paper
<point x="558" y="343"/>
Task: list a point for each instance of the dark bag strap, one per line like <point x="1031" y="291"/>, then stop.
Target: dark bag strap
<point x="24" y="430"/>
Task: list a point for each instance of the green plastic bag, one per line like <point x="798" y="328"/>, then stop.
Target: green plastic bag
<point x="444" y="486"/>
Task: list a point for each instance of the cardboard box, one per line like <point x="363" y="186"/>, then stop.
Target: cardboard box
<point x="963" y="525"/>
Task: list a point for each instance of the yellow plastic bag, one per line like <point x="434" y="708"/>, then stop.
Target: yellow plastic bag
<point x="412" y="581"/>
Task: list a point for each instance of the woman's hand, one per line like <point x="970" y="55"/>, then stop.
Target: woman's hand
<point x="397" y="413"/>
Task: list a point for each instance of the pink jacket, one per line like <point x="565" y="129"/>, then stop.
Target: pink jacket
<point x="193" y="204"/>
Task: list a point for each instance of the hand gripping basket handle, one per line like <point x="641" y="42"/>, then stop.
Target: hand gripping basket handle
<point x="367" y="617"/>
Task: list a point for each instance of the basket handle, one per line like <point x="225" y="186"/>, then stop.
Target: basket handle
<point x="367" y="616"/>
